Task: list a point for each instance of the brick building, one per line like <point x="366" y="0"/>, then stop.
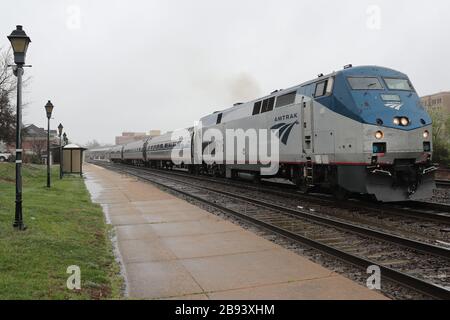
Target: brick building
<point x="438" y="101"/>
<point x="34" y="143"/>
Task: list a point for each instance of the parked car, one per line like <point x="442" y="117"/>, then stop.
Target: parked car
<point x="4" y="156"/>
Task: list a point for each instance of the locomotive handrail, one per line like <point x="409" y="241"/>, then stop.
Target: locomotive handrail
<point x="382" y="172"/>
<point x="429" y="169"/>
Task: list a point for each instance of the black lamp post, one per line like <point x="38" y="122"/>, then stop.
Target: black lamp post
<point x="65" y="141"/>
<point x="19" y="42"/>
<point x="60" y="129"/>
<point x="48" y="110"/>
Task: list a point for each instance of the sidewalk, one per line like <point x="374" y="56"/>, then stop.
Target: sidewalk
<point x="173" y="249"/>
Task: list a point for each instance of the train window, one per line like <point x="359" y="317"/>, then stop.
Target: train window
<point x="270" y="104"/>
<point x="264" y="106"/>
<point x="365" y="83"/>
<point x="285" y="99"/>
<point x="267" y="105"/>
<point x="398" y="84"/>
<point x="320" y="89"/>
<point x="219" y="118"/>
<point x="330" y="85"/>
<point x="257" y="107"/>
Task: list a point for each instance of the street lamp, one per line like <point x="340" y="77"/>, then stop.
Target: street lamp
<point x="60" y="129"/>
<point x="66" y="140"/>
<point x="48" y="110"/>
<point x="19" y="42"/>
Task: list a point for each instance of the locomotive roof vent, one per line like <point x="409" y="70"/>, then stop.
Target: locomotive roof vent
<point x="348" y="66"/>
<point x="320" y="75"/>
<point x="237" y="104"/>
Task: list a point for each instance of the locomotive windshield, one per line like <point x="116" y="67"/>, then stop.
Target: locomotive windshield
<point x="398" y="84"/>
<point x="365" y="83"/>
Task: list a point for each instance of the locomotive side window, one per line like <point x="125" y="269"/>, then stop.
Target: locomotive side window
<point x="321" y="89"/>
<point x="270" y="103"/>
<point x="219" y="118"/>
<point x="365" y="83"/>
<point x="257" y="107"/>
<point x="267" y="105"/>
<point x="286" y="99"/>
<point x="330" y="85"/>
<point x="264" y="106"/>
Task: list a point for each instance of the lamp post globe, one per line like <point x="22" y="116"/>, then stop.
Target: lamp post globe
<point x="48" y="109"/>
<point x="19" y="43"/>
<point x="60" y="129"/>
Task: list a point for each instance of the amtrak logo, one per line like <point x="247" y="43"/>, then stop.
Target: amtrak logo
<point x="395" y="106"/>
<point x="284" y="130"/>
<point x="286" y="117"/>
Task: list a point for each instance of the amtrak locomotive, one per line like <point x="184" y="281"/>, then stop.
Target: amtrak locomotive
<point x="359" y="130"/>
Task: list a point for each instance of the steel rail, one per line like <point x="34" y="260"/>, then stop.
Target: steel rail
<point x="345" y="226"/>
<point x="405" y="209"/>
<point x="442" y="183"/>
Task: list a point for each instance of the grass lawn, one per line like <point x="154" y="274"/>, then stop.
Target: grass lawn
<point x="64" y="228"/>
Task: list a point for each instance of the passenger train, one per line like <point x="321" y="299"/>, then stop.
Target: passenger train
<point x="358" y="130"/>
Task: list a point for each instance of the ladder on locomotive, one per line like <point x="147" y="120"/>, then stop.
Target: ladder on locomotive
<point x="309" y="172"/>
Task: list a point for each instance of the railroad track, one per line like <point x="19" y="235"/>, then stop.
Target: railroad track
<point x="427" y="211"/>
<point x="423" y="221"/>
<point x="417" y="265"/>
<point x="443" y="183"/>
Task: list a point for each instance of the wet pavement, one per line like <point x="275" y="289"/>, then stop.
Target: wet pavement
<point x="171" y="249"/>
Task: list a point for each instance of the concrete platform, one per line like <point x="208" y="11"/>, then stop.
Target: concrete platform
<point x="174" y="250"/>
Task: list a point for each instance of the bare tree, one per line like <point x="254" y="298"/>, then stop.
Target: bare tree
<point x="7" y="89"/>
<point x="441" y="133"/>
<point x="38" y="146"/>
<point x="94" y="144"/>
<point x="8" y="85"/>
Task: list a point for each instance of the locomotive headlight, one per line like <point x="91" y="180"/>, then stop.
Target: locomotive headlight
<point x="379" y="135"/>
<point x="396" y="121"/>
<point x="404" y="121"/>
<point x="426" y="134"/>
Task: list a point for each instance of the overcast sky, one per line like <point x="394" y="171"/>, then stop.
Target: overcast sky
<point x="134" y="65"/>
